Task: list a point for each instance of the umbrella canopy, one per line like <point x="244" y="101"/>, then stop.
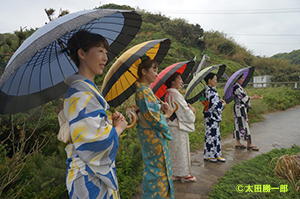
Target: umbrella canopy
<point x="159" y="87"/>
<point x="36" y="72"/>
<point x="119" y="82"/>
<point x="195" y="89"/>
<point x="228" y="90"/>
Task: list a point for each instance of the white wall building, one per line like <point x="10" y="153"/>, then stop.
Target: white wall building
<point x="261" y="81"/>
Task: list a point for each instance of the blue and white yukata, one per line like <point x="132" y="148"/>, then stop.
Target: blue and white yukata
<point x="212" y="118"/>
<point x="91" y="171"/>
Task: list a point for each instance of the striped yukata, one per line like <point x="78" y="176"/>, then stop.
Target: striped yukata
<point x="240" y="110"/>
<point x="91" y="171"/>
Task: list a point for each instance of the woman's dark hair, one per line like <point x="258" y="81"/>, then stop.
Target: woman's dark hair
<point x="146" y="64"/>
<point x="171" y="79"/>
<point x="84" y="40"/>
<point x="240" y="76"/>
<point x="209" y="76"/>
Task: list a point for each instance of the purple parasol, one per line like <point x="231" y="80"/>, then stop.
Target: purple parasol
<point x="228" y="90"/>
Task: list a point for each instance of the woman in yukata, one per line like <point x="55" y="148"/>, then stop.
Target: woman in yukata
<point x="180" y="127"/>
<point x="212" y="118"/>
<point x="240" y="110"/>
<point x="91" y="171"/>
<point x="153" y="133"/>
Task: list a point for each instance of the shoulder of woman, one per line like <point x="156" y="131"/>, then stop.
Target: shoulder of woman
<point x="236" y="86"/>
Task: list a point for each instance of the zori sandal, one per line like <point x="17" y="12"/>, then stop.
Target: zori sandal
<point x="253" y="148"/>
<point x="240" y="146"/>
<point x="189" y="178"/>
<point x="174" y="178"/>
<point x="211" y="159"/>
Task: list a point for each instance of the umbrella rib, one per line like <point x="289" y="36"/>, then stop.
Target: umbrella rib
<point x="41" y="70"/>
<point x="49" y="62"/>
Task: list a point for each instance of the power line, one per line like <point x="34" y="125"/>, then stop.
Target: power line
<point x="264" y="43"/>
<point x="256" y="11"/>
<point x="268" y="35"/>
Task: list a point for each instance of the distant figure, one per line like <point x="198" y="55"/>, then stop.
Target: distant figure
<point x="240" y="110"/>
<point x="180" y="127"/>
<point x="91" y="171"/>
<point x="153" y="132"/>
<point x="212" y="118"/>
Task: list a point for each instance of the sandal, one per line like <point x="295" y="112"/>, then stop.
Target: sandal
<point x="240" y="146"/>
<point x="189" y="178"/>
<point x="253" y="148"/>
<point x="211" y="159"/>
<point x="174" y="178"/>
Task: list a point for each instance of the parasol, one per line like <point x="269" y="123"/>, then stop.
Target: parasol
<point x="247" y="72"/>
<point x="195" y="89"/>
<point x="119" y="82"/>
<point x="36" y="72"/>
<point x="184" y="68"/>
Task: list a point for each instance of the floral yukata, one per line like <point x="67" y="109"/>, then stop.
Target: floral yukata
<point x="240" y="110"/>
<point x="153" y="133"/>
<point x="91" y="171"/>
<point x="212" y="118"/>
<point x="180" y="128"/>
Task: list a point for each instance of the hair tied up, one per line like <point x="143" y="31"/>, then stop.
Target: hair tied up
<point x="144" y="57"/>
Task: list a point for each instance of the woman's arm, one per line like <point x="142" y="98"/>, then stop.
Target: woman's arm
<point x="149" y="108"/>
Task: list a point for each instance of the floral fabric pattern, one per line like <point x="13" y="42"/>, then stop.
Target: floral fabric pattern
<point x="157" y="176"/>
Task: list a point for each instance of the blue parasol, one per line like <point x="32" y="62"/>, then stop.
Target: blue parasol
<point x="36" y="72"/>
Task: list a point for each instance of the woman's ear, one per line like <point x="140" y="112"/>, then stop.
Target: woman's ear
<point x="144" y="72"/>
<point x="81" y="54"/>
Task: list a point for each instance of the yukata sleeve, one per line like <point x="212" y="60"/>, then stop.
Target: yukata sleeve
<point x="95" y="141"/>
<point x="215" y="105"/>
<point x="241" y="95"/>
<point x="150" y="109"/>
<point x="184" y="113"/>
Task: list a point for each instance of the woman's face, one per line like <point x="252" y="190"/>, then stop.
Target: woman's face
<point x="241" y="80"/>
<point x="95" y="60"/>
<point x="213" y="82"/>
<point x="177" y="83"/>
<point x="151" y="74"/>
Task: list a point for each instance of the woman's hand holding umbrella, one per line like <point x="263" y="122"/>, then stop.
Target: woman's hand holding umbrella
<point x="119" y="122"/>
<point x="224" y="103"/>
<point x="167" y="109"/>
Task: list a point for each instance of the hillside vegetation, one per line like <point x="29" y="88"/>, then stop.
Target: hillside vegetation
<point x="33" y="160"/>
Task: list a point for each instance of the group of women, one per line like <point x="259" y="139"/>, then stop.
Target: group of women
<point x="163" y="134"/>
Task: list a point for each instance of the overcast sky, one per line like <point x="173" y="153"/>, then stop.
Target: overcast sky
<point x="265" y="27"/>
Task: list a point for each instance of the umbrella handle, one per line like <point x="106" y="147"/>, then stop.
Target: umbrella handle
<point x="109" y="117"/>
<point x="176" y="104"/>
<point x="133" y="121"/>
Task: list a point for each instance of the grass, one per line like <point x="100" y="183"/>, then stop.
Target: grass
<point x="257" y="172"/>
